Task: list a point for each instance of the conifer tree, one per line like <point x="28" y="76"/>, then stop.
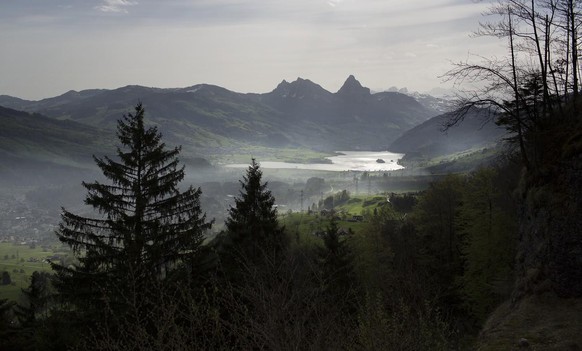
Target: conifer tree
<point x="336" y="260"/>
<point x="36" y="297"/>
<point x="146" y="226"/>
<point x="252" y="226"/>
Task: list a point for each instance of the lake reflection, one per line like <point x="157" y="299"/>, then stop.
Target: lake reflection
<point x="348" y="161"/>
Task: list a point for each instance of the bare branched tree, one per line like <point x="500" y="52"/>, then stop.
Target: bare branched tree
<point x="532" y="81"/>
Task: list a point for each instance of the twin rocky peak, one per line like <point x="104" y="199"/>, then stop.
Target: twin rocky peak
<point x="304" y="87"/>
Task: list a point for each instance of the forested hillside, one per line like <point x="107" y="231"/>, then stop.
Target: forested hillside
<point x="35" y="148"/>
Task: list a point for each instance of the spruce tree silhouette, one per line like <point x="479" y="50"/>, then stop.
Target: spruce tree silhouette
<point x="146" y="226"/>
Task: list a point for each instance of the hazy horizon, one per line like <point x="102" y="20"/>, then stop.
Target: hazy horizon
<point x="53" y="46"/>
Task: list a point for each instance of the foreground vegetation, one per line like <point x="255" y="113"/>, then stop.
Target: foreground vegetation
<point x="393" y="271"/>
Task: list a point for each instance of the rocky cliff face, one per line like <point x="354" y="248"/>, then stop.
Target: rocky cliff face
<point x="549" y="254"/>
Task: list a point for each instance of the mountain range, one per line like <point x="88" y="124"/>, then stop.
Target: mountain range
<point x="209" y="119"/>
<point x="57" y="134"/>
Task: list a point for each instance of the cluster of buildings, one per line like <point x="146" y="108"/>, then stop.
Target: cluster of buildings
<point x="23" y="224"/>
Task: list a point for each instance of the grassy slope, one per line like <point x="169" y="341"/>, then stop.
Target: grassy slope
<point x="457" y="162"/>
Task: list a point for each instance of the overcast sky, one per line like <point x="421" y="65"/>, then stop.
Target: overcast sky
<point x="48" y="47"/>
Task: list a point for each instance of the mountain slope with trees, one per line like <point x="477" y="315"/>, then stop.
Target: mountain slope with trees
<point x="36" y="148"/>
<point x="430" y="140"/>
<point x="35" y="135"/>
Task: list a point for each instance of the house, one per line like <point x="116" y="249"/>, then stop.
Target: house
<point x="357" y="218"/>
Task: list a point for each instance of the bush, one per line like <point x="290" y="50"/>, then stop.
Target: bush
<point x="6" y="280"/>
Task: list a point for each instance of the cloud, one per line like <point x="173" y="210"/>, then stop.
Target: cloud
<point x="232" y="42"/>
<point x="333" y="3"/>
<point x="118" y="6"/>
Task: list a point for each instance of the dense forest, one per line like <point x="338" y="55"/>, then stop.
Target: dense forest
<point x="488" y="259"/>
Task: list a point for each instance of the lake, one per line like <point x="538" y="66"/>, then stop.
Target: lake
<point x="346" y="161"/>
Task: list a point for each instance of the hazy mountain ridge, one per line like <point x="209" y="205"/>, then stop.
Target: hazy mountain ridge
<point x="41" y="134"/>
<point x="35" y="147"/>
<point x="207" y="117"/>
<point x="429" y="140"/>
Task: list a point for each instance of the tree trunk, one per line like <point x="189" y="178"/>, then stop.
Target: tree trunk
<point x="517" y="97"/>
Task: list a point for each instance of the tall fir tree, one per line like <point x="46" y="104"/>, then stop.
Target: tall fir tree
<point x="252" y="227"/>
<point x="337" y="265"/>
<point x="147" y="227"/>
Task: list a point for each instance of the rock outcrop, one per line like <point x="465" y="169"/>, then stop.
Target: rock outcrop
<point x="549" y="256"/>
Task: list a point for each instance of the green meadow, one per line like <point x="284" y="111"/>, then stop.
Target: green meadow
<point x="302" y="226"/>
<point x="20" y="261"/>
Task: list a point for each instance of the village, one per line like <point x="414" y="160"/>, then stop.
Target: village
<point x="23" y="223"/>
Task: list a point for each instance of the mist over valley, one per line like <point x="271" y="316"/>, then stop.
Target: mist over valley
<point x="294" y="131"/>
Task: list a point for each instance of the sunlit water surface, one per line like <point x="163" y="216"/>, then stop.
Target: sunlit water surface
<point x="347" y="161"/>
